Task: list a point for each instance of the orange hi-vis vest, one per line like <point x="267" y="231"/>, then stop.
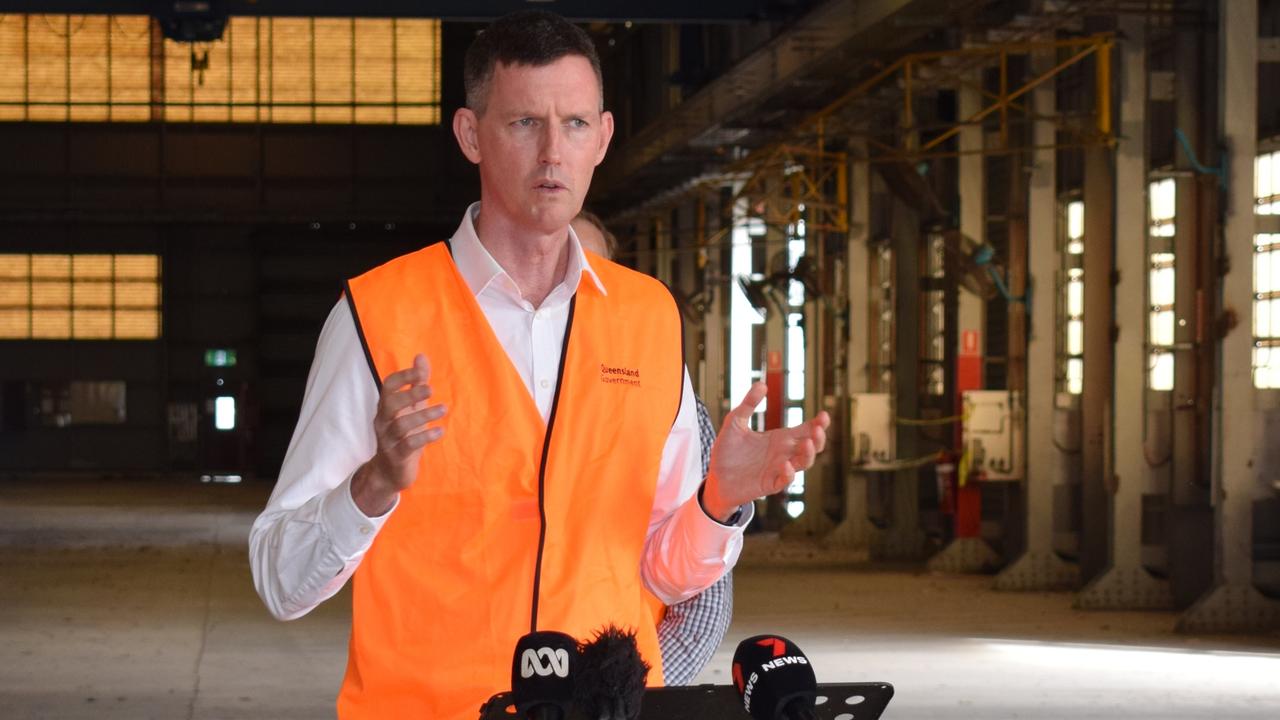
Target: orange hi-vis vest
<point x="513" y="524"/>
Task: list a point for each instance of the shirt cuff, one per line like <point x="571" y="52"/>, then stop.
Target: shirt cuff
<point x="349" y="529"/>
<point x="709" y="538"/>
<point x="739" y="518"/>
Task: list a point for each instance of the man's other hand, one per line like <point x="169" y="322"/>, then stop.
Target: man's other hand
<point x="746" y="465"/>
<point x="401" y="429"/>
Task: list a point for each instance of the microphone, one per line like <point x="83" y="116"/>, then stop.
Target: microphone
<point x="543" y="673"/>
<point x="775" y="679"/>
<point x="611" y="681"/>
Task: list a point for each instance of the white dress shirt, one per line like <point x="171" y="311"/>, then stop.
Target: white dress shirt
<point x="311" y="536"/>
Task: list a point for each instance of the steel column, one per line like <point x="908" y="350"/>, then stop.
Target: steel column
<point x="1125" y="584"/>
<point x="1235" y="604"/>
<point x="904" y="538"/>
<point x="969" y="554"/>
<point x="855" y="530"/>
<point x="1185" y="477"/>
<point x="1039" y="567"/>
<point x="1097" y="482"/>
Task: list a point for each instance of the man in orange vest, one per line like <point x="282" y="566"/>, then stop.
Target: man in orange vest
<point x="541" y="471"/>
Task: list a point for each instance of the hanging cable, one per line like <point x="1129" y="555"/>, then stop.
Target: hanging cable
<point x="1220" y="171"/>
<point x="923" y="422"/>
<point x="907" y="464"/>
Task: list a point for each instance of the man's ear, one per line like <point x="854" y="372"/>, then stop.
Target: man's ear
<point x="466" y="129"/>
<point x="606" y="134"/>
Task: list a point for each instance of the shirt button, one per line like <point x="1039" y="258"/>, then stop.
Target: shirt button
<point x="545" y="384"/>
<point x="365" y="529"/>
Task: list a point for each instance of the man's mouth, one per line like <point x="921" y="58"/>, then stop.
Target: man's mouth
<point x="550" y="185"/>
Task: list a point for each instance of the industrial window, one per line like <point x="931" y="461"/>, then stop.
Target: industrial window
<point x="796" y="245"/>
<point x="79" y="402"/>
<point x="934" y="307"/>
<point x="1266" y="310"/>
<point x="79" y="297"/>
<point x="1266" y="276"/>
<point x="1266" y="183"/>
<point x="743" y="316"/>
<point x="881" y="320"/>
<point x="270" y="70"/>
<point x="1072" y="299"/>
<point x="1161" y="291"/>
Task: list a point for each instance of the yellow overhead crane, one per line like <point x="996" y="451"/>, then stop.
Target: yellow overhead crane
<point x="779" y="179"/>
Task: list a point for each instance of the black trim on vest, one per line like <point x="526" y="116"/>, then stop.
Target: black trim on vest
<point x="542" y="467"/>
<point x="355" y="316"/>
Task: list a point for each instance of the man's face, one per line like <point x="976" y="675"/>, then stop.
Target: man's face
<point x="590" y="237"/>
<point x="538" y="142"/>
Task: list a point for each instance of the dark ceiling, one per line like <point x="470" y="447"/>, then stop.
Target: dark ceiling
<point x="582" y="10"/>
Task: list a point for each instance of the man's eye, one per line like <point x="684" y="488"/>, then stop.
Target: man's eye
<point x="524" y="122"/>
<point x="578" y="123"/>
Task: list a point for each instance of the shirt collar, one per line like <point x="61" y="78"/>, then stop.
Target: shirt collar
<point x="480" y="270"/>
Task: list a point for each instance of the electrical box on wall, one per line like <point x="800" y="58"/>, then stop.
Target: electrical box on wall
<point x="871" y="423"/>
<point x="993" y="435"/>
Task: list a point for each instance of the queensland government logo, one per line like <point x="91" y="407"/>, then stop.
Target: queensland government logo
<point x="619" y="375"/>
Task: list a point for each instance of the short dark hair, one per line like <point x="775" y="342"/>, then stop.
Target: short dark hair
<point x="527" y="37"/>
<point x="610" y="240"/>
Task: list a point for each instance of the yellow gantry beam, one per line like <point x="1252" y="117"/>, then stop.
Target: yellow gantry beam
<point x="804" y="172"/>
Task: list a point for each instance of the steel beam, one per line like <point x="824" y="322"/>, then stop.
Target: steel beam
<point x="969" y="554"/>
<point x="1234" y="604"/>
<point x="1096" y="480"/>
<point x="1039" y="567"/>
<point x="1125" y="584"/>
<point x="904" y="539"/>
<point x="793" y="54"/>
<point x="716" y="359"/>
<point x="1185" y="471"/>
<point x="855" y="529"/>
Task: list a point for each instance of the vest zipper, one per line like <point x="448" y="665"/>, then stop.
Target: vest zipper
<point x="542" y="468"/>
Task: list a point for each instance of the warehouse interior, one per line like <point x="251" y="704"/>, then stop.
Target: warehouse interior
<point x="1025" y="253"/>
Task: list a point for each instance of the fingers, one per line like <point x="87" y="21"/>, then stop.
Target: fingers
<point x="409" y="422"/>
<point x="394" y="398"/>
<point x="813" y="430"/>
<point x="406" y="446"/>
<point x="819" y="428"/>
<point x="418" y="373"/>
<point x="409" y="432"/>
<point x="393" y="404"/>
<point x="803" y="456"/>
<point x="784" y="478"/>
<point x="742" y="413"/>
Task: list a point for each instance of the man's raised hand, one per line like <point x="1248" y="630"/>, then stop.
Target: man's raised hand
<point x="400" y="426"/>
<point x="746" y="465"/>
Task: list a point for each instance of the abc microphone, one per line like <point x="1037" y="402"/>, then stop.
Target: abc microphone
<point x="775" y="679"/>
<point x="543" y="673"/>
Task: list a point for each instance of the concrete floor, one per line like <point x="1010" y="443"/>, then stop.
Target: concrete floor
<point x="132" y="599"/>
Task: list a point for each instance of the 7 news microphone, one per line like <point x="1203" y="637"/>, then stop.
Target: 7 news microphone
<point x="774" y="679"/>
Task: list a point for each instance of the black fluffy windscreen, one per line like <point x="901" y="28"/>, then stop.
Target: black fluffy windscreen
<point x="611" y="681"/>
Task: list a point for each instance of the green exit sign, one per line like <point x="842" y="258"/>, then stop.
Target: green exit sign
<point x="220" y="357"/>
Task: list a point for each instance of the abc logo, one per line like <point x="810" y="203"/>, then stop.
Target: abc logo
<point x="543" y="662"/>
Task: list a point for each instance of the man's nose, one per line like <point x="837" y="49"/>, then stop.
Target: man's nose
<point x="551" y="145"/>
